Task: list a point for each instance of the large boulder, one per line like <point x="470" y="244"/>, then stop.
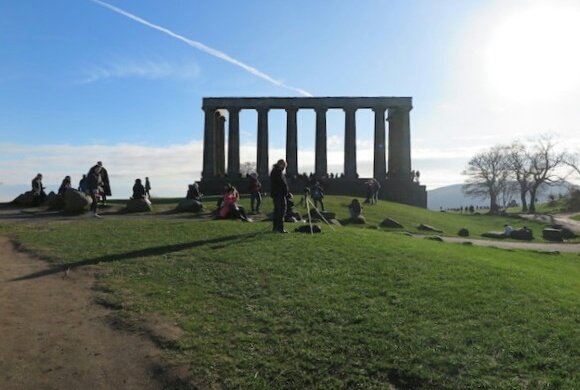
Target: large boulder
<point x="190" y="205"/>
<point x="390" y="223"/>
<point x="493" y="235"/>
<point x="25" y="200"/>
<point x="138" y="206"/>
<point x="522" y="234"/>
<point x="429" y="228"/>
<point x="359" y="220"/>
<point x="463" y="232"/>
<point x="567" y="233"/>
<point x="55" y="201"/>
<point x="76" y="202"/>
<point x="552" y="234"/>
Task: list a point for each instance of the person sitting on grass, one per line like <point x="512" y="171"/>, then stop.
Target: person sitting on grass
<point x="230" y="208"/>
<point x="355" y="208"/>
<point x="193" y="192"/>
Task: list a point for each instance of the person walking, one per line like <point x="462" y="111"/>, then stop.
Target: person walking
<point x="278" y="192"/>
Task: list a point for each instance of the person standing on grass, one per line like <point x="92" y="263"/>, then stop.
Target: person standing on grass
<point x="147" y="187"/>
<point x="38" y="190"/>
<point x="376" y="188"/>
<point x="317" y="195"/>
<point x="104" y="184"/>
<point x="255" y="193"/>
<point x="278" y="192"/>
<point x="94" y="183"/>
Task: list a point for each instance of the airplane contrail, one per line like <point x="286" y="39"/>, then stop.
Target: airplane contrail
<point x="204" y="48"/>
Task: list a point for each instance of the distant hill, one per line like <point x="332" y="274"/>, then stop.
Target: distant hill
<point x="451" y="196"/>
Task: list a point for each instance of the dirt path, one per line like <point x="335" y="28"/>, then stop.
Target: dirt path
<point x="54" y="336"/>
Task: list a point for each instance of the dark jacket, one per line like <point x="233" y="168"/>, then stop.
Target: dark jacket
<point x="37" y="187"/>
<point x="138" y="191"/>
<point x="255" y="185"/>
<point x="278" y="184"/>
<point x="93" y="180"/>
<point x="105" y="182"/>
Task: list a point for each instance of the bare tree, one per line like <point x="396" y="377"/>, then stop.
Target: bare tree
<point x="544" y="162"/>
<point x="519" y="165"/>
<point x="247" y="167"/>
<point x="572" y="160"/>
<point x="487" y="175"/>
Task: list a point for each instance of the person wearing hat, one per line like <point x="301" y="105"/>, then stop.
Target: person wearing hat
<point x="278" y="192"/>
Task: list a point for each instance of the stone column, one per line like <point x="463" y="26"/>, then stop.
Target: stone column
<point x="220" y="144"/>
<point x="380" y="167"/>
<point x="400" y="144"/>
<point x="262" y="156"/>
<point x="350" y="142"/>
<point x="234" y="143"/>
<point x="320" y="162"/>
<point x="208" y="143"/>
<point x="291" y="141"/>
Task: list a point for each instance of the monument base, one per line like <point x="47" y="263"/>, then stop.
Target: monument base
<point x="405" y="192"/>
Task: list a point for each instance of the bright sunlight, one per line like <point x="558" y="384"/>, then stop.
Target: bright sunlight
<point x="533" y="53"/>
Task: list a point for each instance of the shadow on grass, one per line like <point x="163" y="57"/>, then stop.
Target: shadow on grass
<point x="148" y="252"/>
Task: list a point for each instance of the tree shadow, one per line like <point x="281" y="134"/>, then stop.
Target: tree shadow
<point x="147" y="252"/>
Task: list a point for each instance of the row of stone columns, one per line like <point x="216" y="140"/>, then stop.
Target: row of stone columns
<point x="399" y="165"/>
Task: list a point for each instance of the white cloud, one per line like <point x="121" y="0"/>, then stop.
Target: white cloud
<point x="170" y="169"/>
<point x="145" y="69"/>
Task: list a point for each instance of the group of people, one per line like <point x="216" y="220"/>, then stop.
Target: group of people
<point x="283" y="198"/>
<point x="95" y="183"/>
<point x="372" y="191"/>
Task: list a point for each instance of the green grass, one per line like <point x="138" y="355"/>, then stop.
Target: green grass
<point x="349" y="308"/>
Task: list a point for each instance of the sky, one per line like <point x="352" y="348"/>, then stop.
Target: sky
<point x="122" y="81"/>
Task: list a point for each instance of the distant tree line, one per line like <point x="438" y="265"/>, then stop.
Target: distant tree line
<point x="517" y="170"/>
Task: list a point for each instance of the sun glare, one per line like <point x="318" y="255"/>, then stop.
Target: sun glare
<point x="533" y="54"/>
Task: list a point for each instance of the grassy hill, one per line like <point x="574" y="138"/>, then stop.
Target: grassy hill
<point x="354" y="307"/>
